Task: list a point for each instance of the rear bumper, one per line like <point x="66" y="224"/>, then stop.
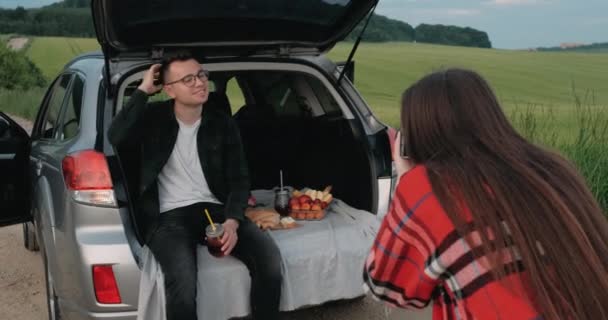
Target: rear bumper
<point x="73" y="314"/>
<point x="96" y="237"/>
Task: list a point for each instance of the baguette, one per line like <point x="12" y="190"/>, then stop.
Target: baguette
<point x="259" y="214"/>
<point x="274" y="220"/>
<point x="326" y="191"/>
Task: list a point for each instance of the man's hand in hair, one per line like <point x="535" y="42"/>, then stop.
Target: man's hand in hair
<point x="147" y="84"/>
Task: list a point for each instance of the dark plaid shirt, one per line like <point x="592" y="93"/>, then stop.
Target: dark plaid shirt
<point x="148" y="131"/>
<point x="419" y="257"/>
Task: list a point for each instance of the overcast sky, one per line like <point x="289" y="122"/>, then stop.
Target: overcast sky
<point x="509" y="23"/>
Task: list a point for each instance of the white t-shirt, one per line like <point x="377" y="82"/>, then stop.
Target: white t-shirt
<point x="181" y="181"/>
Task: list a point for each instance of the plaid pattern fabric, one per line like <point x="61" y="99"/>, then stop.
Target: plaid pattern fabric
<point x="419" y="257"/>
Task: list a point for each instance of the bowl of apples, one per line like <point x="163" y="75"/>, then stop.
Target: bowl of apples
<point x="309" y="204"/>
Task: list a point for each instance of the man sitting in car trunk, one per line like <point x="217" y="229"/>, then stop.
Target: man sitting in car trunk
<point x="192" y="160"/>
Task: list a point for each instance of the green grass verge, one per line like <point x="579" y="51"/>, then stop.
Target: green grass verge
<point x="23" y="103"/>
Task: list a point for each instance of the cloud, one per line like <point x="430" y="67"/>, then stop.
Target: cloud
<point x="595" y="21"/>
<point x="461" y="12"/>
<point x="506" y="3"/>
<point x="448" y="12"/>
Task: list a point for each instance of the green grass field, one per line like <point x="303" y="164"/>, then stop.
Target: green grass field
<point x="383" y="71"/>
<point x="521" y="80"/>
<point x="544" y="82"/>
<point x="52" y="53"/>
<point x="518" y="76"/>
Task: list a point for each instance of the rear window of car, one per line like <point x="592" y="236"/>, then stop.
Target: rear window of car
<point x="293" y="94"/>
<point x="71" y="120"/>
<point x="57" y="96"/>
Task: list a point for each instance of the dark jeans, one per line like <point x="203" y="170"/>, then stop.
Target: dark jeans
<point x="174" y="247"/>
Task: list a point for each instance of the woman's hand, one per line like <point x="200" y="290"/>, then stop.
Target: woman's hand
<point x="402" y="165"/>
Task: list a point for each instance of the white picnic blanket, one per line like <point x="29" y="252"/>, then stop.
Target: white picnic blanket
<point x="321" y="261"/>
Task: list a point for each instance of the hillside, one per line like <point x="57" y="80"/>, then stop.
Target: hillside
<point x="520" y="78"/>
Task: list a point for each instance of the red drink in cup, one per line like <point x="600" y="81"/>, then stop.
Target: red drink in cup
<point x="214" y="240"/>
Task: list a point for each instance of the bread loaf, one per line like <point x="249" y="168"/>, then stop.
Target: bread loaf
<point x="256" y="214"/>
<point x="264" y="218"/>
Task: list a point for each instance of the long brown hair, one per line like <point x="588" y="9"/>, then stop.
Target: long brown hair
<point x="452" y="123"/>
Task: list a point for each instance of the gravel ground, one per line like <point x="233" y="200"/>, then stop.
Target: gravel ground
<point x="22" y="290"/>
<point x="23" y="293"/>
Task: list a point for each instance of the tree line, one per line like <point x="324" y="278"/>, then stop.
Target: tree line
<point x="48" y="21"/>
<point x="452" y="35"/>
<point x="382" y="29"/>
<point x="72" y="18"/>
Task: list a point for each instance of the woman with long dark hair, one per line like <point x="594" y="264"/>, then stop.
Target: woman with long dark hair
<point x="484" y="223"/>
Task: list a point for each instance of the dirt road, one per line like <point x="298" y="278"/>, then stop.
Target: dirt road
<point x="23" y="292"/>
<point x="17" y="43"/>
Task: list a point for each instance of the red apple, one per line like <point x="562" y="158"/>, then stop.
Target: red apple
<point x="316" y="207"/>
<point x="305" y="206"/>
<point x="324" y="204"/>
<point x="295" y="206"/>
<point x="293" y="201"/>
<point x="304" y="199"/>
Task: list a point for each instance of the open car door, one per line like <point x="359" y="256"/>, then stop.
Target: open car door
<point x="14" y="177"/>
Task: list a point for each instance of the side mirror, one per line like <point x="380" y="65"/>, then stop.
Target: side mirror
<point x="350" y="69"/>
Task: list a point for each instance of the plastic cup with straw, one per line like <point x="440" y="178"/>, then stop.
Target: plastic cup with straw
<point x="210" y="220"/>
<point x="281" y="200"/>
<point x="214" y="243"/>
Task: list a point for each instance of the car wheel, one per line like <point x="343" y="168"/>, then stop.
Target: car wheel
<point x="29" y="237"/>
<point x="51" y="297"/>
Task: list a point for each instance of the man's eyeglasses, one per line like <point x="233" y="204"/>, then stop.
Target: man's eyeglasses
<point x="190" y="80"/>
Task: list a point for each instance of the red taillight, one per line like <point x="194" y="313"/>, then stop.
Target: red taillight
<point x="87" y="170"/>
<point x="104" y="282"/>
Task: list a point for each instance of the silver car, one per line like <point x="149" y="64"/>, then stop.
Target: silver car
<point x="295" y="108"/>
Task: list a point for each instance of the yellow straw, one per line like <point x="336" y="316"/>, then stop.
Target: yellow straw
<point x="210" y="221"/>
